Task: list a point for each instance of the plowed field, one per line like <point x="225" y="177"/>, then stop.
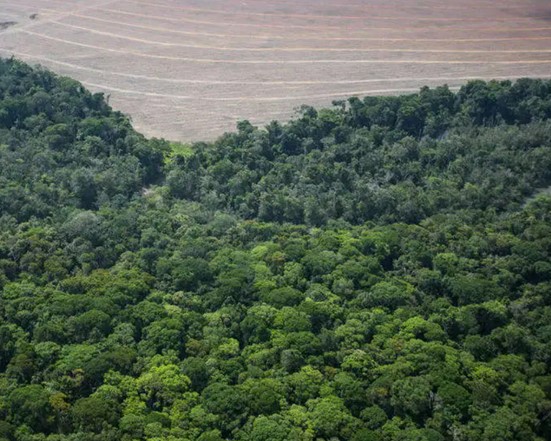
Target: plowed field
<point x="189" y="69"/>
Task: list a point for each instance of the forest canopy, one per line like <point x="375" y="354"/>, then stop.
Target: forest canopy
<point x="378" y="270"/>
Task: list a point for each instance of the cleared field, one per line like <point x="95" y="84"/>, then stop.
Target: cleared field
<point x="190" y="69"/>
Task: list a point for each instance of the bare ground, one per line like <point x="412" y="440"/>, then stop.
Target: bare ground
<point x="190" y="69"/>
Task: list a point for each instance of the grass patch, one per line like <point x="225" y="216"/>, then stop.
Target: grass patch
<point x="178" y="149"/>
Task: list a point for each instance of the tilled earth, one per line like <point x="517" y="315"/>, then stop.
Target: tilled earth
<point x="190" y="69"/>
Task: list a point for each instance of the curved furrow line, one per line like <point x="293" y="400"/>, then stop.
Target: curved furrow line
<point x="314" y="16"/>
<point x="316" y="28"/>
<point x="249" y="98"/>
<point x="326" y="61"/>
<point x="303" y="49"/>
<point x="305" y="37"/>
<point x="268" y="83"/>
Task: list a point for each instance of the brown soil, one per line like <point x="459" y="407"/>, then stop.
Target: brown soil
<point x="189" y="69"/>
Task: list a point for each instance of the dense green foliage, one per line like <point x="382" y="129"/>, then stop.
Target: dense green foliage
<point x="62" y="146"/>
<point x="377" y="271"/>
<point x="385" y="159"/>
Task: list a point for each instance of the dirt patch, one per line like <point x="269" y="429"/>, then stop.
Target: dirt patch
<point x="7" y="24"/>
